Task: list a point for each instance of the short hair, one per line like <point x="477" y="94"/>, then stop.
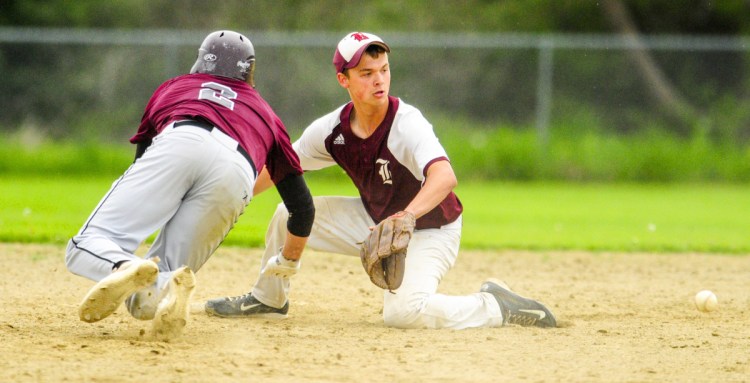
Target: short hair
<point x="373" y="51"/>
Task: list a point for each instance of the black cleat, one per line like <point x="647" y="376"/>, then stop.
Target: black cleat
<point x="517" y="309"/>
<point x="244" y="306"/>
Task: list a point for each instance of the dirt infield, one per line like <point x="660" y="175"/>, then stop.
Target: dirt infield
<point x="624" y="318"/>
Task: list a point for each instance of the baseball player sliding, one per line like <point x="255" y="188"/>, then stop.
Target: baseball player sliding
<point x="201" y="139"/>
<point x="406" y="213"/>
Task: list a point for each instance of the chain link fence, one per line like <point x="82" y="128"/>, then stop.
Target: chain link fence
<point x="94" y="84"/>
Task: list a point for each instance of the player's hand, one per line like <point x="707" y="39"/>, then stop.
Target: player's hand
<point x="280" y="267"/>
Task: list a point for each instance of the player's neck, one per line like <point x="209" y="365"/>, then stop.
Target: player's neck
<point x="365" y="120"/>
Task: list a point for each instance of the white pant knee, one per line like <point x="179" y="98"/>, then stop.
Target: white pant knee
<point x="404" y="310"/>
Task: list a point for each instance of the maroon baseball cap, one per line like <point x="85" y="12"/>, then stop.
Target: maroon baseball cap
<point x="350" y="49"/>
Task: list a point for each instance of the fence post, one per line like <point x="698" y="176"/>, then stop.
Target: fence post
<point x="544" y="91"/>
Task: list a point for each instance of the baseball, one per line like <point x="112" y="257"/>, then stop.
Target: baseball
<point x="705" y="301"/>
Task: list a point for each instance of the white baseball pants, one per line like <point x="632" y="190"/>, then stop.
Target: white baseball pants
<point x="341" y="223"/>
<point x="191" y="184"/>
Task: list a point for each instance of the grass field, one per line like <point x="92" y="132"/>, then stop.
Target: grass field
<point x="497" y="215"/>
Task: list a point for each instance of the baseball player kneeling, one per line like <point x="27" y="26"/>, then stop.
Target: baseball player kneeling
<point x="406" y="223"/>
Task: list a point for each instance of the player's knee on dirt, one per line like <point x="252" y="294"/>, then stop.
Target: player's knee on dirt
<point x="405" y="310"/>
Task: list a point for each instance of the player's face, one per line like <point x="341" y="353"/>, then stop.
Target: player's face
<point x="370" y="81"/>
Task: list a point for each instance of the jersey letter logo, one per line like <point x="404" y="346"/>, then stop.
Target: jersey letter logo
<point x="384" y="171"/>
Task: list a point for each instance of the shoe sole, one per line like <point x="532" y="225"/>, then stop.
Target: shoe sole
<point x="210" y="312"/>
<point x="107" y="295"/>
<point x="174" y="310"/>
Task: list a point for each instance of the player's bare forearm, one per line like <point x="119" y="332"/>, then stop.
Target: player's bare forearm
<point x="293" y="247"/>
<point x="439" y="182"/>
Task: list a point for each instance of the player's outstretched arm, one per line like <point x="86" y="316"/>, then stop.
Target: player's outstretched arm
<point x="298" y="201"/>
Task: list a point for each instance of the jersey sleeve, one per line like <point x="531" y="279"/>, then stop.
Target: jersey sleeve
<point x="311" y="146"/>
<point x="282" y="160"/>
<point x="414" y="143"/>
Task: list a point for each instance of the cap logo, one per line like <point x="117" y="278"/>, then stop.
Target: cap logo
<point x="209" y="57"/>
<point x="350" y="49"/>
<point x="359" y="36"/>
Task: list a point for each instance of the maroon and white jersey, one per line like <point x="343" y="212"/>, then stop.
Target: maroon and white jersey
<point x="389" y="167"/>
<point x="229" y="104"/>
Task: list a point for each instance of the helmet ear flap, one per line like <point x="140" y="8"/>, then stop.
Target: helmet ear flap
<point x="251" y="73"/>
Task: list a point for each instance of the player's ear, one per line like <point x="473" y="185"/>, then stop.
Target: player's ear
<point x="343" y="80"/>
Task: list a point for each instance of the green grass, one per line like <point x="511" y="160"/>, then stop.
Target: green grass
<point x="497" y="215"/>
<point x="477" y="152"/>
<point x="46" y="158"/>
<point x="581" y="152"/>
<point x="624" y="217"/>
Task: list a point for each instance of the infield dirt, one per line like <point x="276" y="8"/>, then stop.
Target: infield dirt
<point x="624" y="318"/>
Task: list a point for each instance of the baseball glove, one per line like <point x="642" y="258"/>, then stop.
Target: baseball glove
<point x="383" y="253"/>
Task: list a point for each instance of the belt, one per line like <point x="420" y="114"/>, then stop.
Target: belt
<point x="208" y="127"/>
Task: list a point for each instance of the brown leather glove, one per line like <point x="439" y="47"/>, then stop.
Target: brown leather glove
<point x="383" y="253"/>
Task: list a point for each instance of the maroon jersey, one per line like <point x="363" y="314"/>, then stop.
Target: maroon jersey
<point x="389" y="167"/>
<point x="231" y="105"/>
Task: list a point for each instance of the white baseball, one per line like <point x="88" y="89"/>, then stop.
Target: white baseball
<point x="705" y="301"/>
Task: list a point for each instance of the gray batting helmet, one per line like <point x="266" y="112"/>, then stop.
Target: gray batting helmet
<point x="226" y="54"/>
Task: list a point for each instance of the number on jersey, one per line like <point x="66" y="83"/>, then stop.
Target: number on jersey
<point x="220" y="94"/>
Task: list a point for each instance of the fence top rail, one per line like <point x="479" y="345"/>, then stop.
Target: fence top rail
<point x="320" y="39"/>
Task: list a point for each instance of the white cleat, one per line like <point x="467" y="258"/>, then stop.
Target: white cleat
<point x="143" y="304"/>
<point x="107" y="295"/>
<point x="174" y="310"/>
